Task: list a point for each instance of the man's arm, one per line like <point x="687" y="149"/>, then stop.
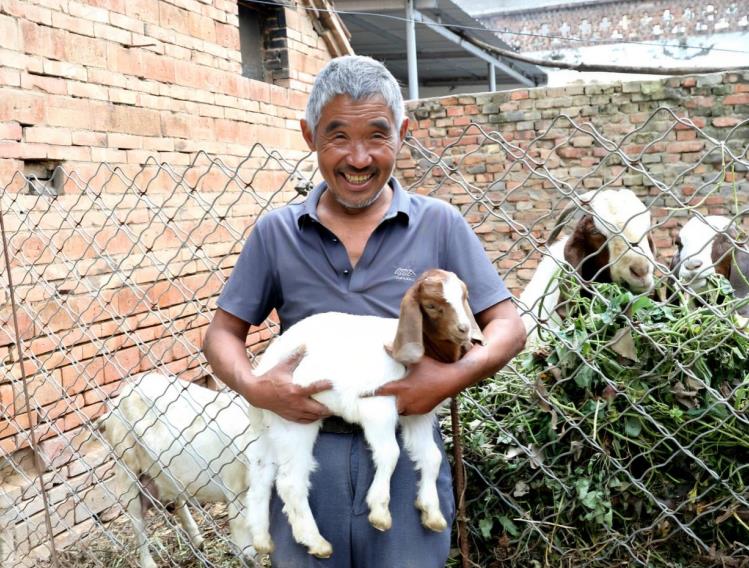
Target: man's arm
<point x="429" y="382"/>
<point x="224" y="348"/>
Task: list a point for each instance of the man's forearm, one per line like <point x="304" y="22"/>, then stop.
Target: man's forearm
<point x="227" y="356"/>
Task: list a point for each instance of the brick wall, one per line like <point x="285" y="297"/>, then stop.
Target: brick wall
<point x="628" y="20"/>
<point x="118" y="273"/>
<point x="508" y="157"/>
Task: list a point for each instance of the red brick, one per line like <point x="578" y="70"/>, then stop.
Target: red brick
<point x="42" y="40"/>
<point x="686" y="146"/>
<point x="10" y="131"/>
<point x="23" y="107"/>
<point x="46" y="135"/>
<point x="725" y="121"/>
<point x="51" y="85"/>
<point x="9" y="31"/>
<point x="76" y="25"/>
<point x="737" y="99"/>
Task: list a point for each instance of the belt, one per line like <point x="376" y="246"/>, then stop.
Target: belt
<point x="337" y="425"/>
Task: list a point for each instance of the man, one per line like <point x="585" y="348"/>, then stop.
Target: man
<point x="356" y="245"/>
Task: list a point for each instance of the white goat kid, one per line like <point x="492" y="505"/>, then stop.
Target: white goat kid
<point x="706" y="246"/>
<point x="348" y="350"/>
<point x="180" y="441"/>
<point x="610" y="243"/>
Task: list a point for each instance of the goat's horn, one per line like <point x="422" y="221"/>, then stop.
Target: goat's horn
<point x="566" y="213"/>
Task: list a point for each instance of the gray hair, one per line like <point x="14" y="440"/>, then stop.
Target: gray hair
<point x="358" y="77"/>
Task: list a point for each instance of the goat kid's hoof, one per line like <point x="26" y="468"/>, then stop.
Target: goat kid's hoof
<point x="381" y="520"/>
<point x="322" y="549"/>
<point x="433" y="521"/>
<point x="263" y="545"/>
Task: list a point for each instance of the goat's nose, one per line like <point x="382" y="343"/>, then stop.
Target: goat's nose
<point x="638" y="270"/>
<point x="693" y="263"/>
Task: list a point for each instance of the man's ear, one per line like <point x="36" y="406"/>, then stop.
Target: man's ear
<point x="309" y="138"/>
<point x="402" y="132"/>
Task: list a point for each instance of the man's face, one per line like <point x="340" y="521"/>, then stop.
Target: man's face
<point x="357" y="143"/>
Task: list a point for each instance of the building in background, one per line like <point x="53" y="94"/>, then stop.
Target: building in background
<point x="669" y="33"/>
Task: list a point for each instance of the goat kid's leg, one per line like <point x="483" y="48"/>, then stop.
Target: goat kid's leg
<point x="418" y="437"/>
<point x="188" y="523"/>
<point x="379" y="418"/>
<point x="262" y="475"/>
<point x="293" y="445"/>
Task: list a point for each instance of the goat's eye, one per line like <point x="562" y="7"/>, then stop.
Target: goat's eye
<point x="430" y="306"/>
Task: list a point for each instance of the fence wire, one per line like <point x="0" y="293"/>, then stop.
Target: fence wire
<point x="619" y="437"/>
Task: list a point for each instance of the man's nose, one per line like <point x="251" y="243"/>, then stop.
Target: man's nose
<point x="359" y="155"/>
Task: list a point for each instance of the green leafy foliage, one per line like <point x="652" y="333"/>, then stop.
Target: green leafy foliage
<point x="623" y="439"/>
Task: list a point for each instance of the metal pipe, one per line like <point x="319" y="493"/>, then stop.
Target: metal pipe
<point x="413" y="72"/>
<point x="492" y="78"/>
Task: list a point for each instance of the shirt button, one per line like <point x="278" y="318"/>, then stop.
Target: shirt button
<point x="335" y="240"/>
<point x="346" y="272"/>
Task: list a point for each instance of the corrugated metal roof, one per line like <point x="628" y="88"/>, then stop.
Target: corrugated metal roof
<point x="378" y="29"/>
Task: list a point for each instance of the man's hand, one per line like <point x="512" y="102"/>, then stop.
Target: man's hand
<point x="275" y="391"/>
<point x="420" y="390"/>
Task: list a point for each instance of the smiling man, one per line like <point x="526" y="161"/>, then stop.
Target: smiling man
<point x="356" y="245"/>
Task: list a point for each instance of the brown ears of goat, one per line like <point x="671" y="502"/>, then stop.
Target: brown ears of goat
<point x="732" y="262"/>
<point x="408" y="346"/>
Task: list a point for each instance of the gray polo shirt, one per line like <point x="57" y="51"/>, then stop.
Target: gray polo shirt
<point x="292" y="263"/>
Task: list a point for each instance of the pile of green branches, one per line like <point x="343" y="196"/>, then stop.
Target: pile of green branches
<point x="622" y="439"/>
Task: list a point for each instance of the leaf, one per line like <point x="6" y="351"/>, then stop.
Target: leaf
<point x="642" y="303"/>
<point x="581" y="486"/>
<point x="508" y="525"/>
<point x="485" y="526"/>
<point x="623" y="344"/>
<point x="584" y="376"/>
<point x="632" y="427"/>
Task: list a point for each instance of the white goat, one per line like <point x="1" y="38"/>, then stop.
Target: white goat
<point x="611" y="243"/>
<point x="705" y="247"/>
<point x="348" y="350"/>
<point x="178" y="441"/>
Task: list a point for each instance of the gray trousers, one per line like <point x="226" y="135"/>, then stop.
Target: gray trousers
<point x="337" y="498"/>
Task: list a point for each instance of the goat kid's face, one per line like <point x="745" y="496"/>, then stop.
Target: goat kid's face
<point x="701" y="251"/>
<point x="436" y="306"/>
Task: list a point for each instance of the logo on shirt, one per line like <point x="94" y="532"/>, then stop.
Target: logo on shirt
<point x="404" y="274"/>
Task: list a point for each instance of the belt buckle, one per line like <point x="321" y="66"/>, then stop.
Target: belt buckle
<point x="337" y="425"/>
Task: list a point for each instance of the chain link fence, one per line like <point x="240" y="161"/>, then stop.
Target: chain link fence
<point x="583" y="452"/>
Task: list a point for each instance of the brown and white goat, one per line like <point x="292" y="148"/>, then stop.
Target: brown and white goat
<point x="353" y="352"/>
<point x="706" y="246"/>
<point x="610" y="243"/>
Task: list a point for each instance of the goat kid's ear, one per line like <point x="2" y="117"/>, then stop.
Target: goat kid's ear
<point x="408" y="346"/>
<point x="721" y="254"/>
<point x="476" y="334"/>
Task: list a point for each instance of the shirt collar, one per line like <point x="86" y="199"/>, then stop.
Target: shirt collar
<point x="401" y="203"/>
